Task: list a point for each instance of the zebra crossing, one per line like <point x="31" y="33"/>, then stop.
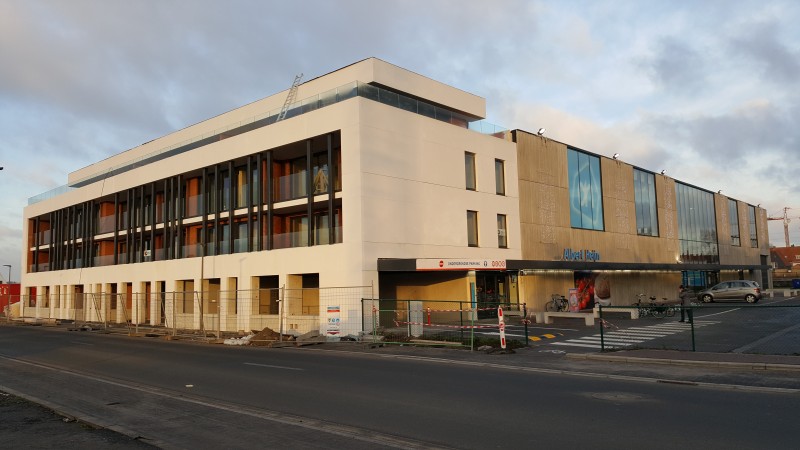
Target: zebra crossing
<point x="618" y="338"/>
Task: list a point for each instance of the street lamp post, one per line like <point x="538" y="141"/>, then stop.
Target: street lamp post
<point x="8" y="292"/>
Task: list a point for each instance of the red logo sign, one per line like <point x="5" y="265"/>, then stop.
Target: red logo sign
<point x="441" y="263"/>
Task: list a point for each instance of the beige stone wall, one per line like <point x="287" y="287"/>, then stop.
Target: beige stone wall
<point x="545" y="218"/>
<point x="744" y="253"/>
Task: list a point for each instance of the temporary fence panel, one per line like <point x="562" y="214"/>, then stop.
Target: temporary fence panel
<point x="391" y="320"/>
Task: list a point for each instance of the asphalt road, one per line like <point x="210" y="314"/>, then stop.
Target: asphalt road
<point x="179" y="395"/>
<point x="770" y="327"/>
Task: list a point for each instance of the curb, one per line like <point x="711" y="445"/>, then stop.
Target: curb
<point x="93" y="421"/>
<point x="686" y="362"/>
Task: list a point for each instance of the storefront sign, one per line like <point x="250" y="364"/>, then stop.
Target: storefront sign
<point x="461" y="264"/>
<point x="581" y="255"/>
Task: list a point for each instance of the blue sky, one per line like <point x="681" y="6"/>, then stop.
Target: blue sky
<point x="709" y="91"/>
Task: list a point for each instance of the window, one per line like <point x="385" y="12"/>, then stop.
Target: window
<point x="733" y="218"/>
<point x="585" y="190"/>
<point x="472" y="228"/>
<point x="500" y="177"/>
<point x="644" y="191"/>
<point x="751" y="218"/>
<point x="469" y="167"/>
<point x="697" y="226"/>
<point x="241" y="187"/>
<point x="502" y="234"/>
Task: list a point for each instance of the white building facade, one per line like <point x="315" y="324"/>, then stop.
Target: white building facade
<point x="368" y="164"/>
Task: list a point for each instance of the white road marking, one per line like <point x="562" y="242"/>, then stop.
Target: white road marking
<point x="273" y="367"/>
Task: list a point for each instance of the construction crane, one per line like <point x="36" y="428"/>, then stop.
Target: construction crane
<point x="289" y="98"/>
<point x="785" y="218"/>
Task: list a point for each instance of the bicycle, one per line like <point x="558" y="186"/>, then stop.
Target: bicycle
<point x="657" y="310"/>
<point x="557" y="303"/>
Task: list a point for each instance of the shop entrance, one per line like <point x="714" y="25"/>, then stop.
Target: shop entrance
<point x="494" y="289"/>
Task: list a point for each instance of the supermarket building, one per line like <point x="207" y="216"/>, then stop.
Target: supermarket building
<point x="378" y="177"/>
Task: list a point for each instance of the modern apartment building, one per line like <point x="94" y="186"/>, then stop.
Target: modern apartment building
<point x="381" y="177"/>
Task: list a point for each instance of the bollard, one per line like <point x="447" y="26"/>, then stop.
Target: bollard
<point x="691" y="322"/>
<point x="602" y="340"/>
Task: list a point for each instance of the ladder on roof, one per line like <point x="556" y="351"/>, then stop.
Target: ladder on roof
<point x="289" y="98"/>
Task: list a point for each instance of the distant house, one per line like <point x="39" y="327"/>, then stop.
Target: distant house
<point x="785" y="257"/>
<point x="9" y="293"/>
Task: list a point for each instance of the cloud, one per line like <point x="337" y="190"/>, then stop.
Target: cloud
<point x="761" y="45"/>
<point x="676" y="67"/>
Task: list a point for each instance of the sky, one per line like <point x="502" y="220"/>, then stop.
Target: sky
<point x="708" y="91"/>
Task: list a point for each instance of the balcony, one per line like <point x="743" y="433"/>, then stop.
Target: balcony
<point x="105" y="224"/>
<point x="290" y="240"/>
<point x="105" y="260"/>
<point x="44" y="237"/>
<point x="290" y="187"/>
<point x="192" y="250"/>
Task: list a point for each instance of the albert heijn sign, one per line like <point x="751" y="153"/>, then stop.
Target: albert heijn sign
<point x="461" y="264"/>
<point x="581" y="255"/>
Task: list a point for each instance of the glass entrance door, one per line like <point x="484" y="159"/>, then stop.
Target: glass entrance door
<point x="492" y="289"/>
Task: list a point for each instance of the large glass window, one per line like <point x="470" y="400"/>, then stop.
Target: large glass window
<point x="469" y="167"/>
<point x="502" y="234"/>
<point x="733" y="220"/>
<point x="751" y="218"/>
<point x="697" y="225"/>
<point x="472" y="228"/>
<point x="585" y="190"/>
<point x="500" y="177"/>
<point x="319" y="165"/>
<point x="644" y="190"/>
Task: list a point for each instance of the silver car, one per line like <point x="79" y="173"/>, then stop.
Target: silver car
<point x="732" y="290"/>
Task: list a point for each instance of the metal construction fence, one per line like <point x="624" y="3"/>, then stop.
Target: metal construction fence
<point x="207" y="314"/>
<point x="436" y="321"/>
<point x="769" y="329"/>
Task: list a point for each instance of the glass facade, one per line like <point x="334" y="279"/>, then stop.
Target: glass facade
<point x="733" y="221"/>
<point x="697" y="225"/>
<point x="644" y="190"/>
<point x="585" y="190"/>
<point x="206" y="212"/>
<point x="469" y="170"/>
<point x="751" y="218"/>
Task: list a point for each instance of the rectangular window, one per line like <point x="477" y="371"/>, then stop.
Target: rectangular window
<point x="751" y="218"/>
<point x="241" y="187"/>
<point x="733" y="220"/>
<point x="500" y="177"/>
<point x="644" y="191"/>
<point x="469" y="167"/>
<point x="502" y="233"/>
<point x="472" y="228"/>
<point x="697" y="226"/>
<point x="585" y="190"/>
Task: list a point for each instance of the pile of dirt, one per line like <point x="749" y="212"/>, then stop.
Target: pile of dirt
<point x="267" y="337"/>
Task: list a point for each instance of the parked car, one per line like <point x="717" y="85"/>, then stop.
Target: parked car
<point x="746" y="290"/>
